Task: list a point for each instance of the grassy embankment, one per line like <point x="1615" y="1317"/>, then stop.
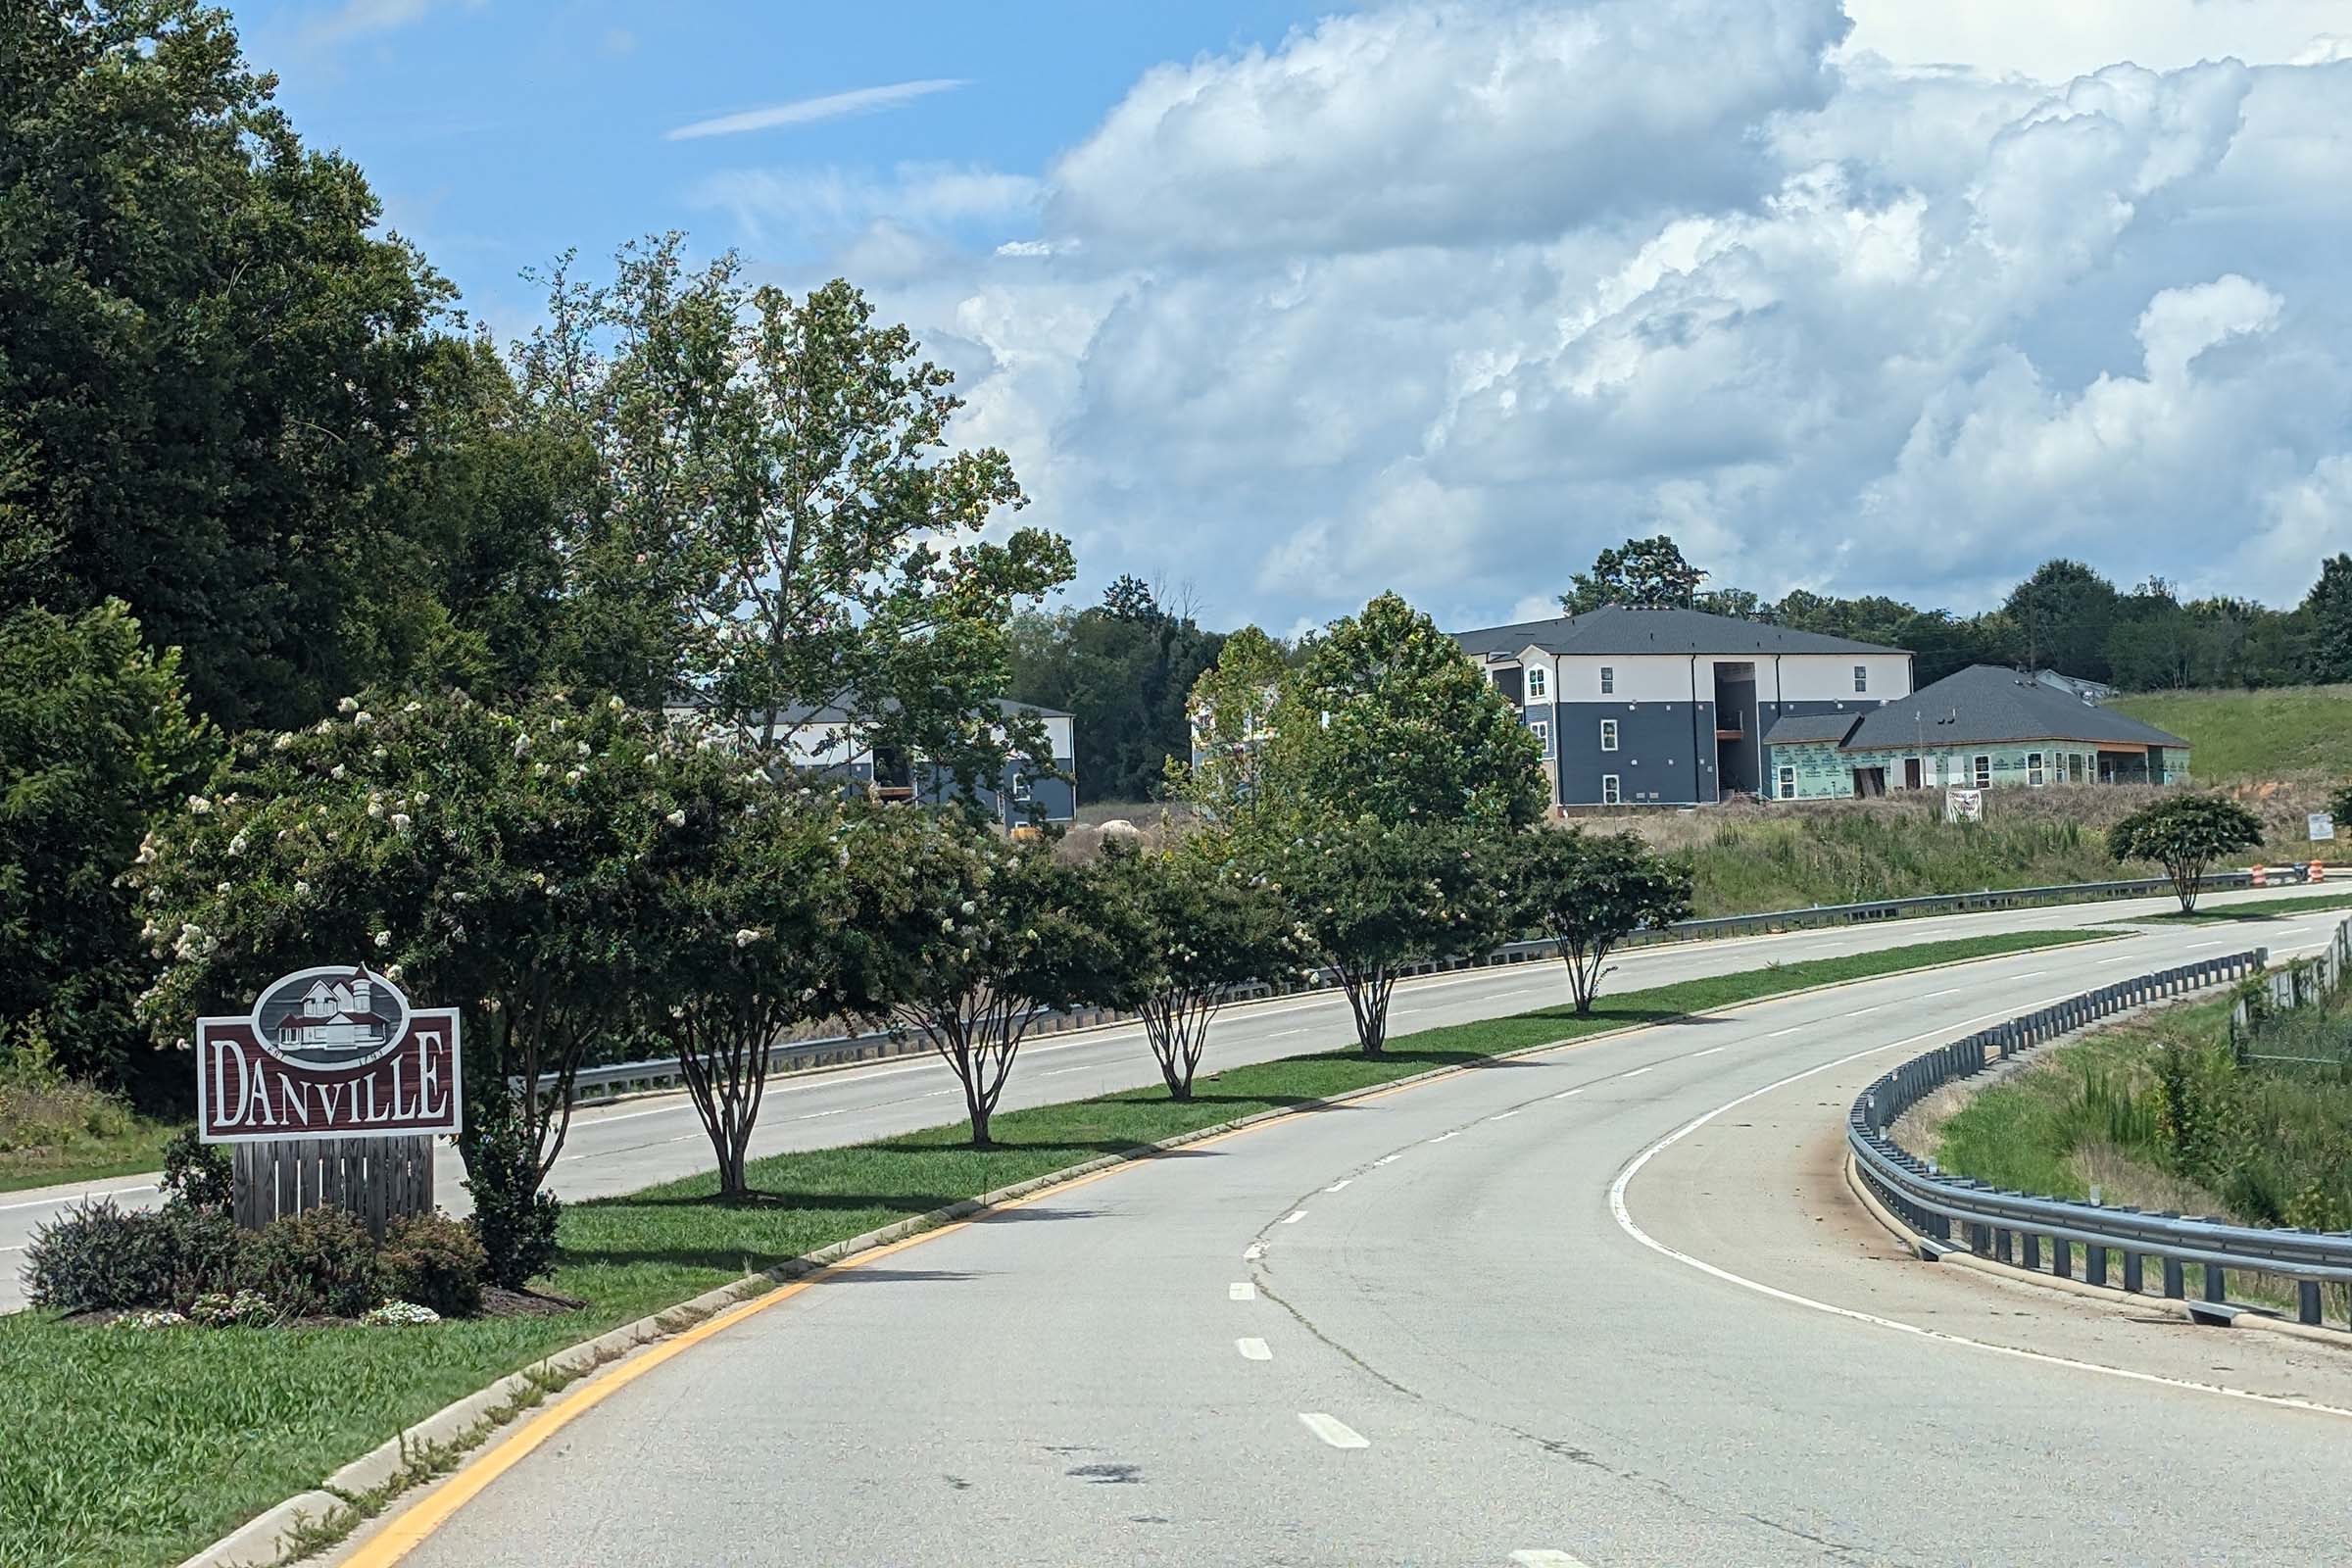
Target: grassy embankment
<point x="2271" y="739"/>
<point x="120" y="1447"/>
<point x="2156" y="1111"/>
<point x="55" y="1130"/>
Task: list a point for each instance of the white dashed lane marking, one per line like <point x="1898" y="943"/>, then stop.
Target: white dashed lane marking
<point x="1294" y="1216"/>
<point x="1339" y="1433"/>
<point x="1253" y="1350"/>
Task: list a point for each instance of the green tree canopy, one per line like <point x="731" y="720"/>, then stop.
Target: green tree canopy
<point x="2328" y="608"/>
<point x="1384" y="717"/>
<point x="2184" y="834"/>
<point x="966" y="940"/>
<point x="1208" y="925"/>
<point x="1639" y="574"/>
<point x="1230" y="717"/>
<point x="1376" y="898"/>
<point x="1123" y="670"/>
<point x="1590" y="892"/>
<point x="778" y="520"/>
<point x="746" y="938"/>
<point x="95" y="738"/>
<point x="209" y="360"/>
<point x="495" y="860"/>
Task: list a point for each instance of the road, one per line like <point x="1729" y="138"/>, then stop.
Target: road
<point x="1607" y="1304"/>
<point x="638" y="1143"/>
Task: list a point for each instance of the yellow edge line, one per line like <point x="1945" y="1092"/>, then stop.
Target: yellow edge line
<point x="404" y="1532"/>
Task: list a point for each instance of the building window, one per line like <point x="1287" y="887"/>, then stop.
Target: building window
<point x="1788" y="783"/>
<point x="1984" y="772"/>
<point x="1020" y="787"/>
<point x="2033" y="767"/>
<point x="1542" y="733"/>
<point x="2074" y="767"/>
<point x="1608" y="679"/>
<point x="1537" y="690"/>
<point x="1861" y="677"/>
<point x="1609" y="795"/>
<point x="1608" y="734"/>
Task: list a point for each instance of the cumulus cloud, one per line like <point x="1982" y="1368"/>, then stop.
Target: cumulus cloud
<point x="1445" y="298"/>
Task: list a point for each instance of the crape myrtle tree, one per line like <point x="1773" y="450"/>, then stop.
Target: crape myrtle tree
<point x="752" y="904"/>
<point x="964" y="939"/>
<point x="488" y="858"/>
<point x="778" y="520"/>
<point x="1376" y="898"/>
<point x="2184" y="834"/>
<point x="1208" y="924"/>
<point x="1590" y="892"/>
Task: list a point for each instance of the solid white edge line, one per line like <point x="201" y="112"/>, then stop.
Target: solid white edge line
<point x="1626" y="1222"/>
<point x="1253" y="1350"/>
<point x="1546" y="1559"/>
<point x="1339" y="1433"/>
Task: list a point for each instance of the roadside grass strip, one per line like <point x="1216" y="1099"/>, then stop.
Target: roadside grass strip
<point x="123" y="1446"/>
<point x="2266" y="909"/>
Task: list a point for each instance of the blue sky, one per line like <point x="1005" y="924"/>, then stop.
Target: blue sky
<point x="1290" y="305"/>
<point x="500" y="134"/>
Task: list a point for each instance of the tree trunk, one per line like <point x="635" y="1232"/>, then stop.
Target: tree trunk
<point x="1368" y="991"/>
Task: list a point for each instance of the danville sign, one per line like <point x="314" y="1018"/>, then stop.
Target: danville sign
<point x="329" y="1052"/>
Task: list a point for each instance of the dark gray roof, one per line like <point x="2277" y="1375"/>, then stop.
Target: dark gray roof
<point x="1985" y="703"/>
<point x="1005" y="704"/>
<point x="1795" y="727"/>
<point x="1615" y="629"/>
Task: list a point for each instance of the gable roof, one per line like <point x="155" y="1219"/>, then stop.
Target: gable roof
<point x="1616" y="629"/>
<point x="1985" y="703"/>
<point x="1791" y="728"/>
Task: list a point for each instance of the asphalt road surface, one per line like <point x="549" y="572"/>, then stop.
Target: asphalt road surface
<point x="1607" y="1304"/>
<point x="637" y="1143"/>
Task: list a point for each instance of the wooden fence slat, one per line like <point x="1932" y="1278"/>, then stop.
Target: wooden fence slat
<point x="377" y="1179"/>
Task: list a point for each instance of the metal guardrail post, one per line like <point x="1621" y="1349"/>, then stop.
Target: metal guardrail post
<point x="2307" y="1301"/>
<point x="2175" y="1286"/>
<point x="2135" y="1281"/>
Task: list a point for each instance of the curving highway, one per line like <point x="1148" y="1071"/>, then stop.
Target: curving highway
<point x="622" y="1148"/>
<point x="1609" y="1304"/>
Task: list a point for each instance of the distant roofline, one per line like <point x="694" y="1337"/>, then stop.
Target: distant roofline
<point x="1701" y="633"/>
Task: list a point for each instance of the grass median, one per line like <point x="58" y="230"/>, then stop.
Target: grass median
<point x="124" y="1447"/>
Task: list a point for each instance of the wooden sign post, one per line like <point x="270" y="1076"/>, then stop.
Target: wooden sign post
<point x="332" y="1090"/>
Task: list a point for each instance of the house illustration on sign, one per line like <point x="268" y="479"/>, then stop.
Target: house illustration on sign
<point x="346" y="1016"/>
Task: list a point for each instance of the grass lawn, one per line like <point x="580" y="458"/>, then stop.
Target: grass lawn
<point x="125" y="1448"/>
<point x="2275" y="908"/>
<point x="2236" y="737"/>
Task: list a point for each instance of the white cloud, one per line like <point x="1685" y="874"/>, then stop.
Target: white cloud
<point x="2053" y="42"/>
<point x="763" y="201"/>
<point x="1445" y="298"/>
<point x="803" y="111"/>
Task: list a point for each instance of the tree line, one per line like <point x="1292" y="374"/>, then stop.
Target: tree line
<point x="254" y="462"/>
<point x="2064" y="616"/>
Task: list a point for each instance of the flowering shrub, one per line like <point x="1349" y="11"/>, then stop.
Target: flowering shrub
<point x="493" y="860"/>
<point x="317" y="1261"/>
<point x="436" y="1260"/>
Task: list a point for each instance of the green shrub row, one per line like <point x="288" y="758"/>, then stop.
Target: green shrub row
<point x="319" y="1263"/>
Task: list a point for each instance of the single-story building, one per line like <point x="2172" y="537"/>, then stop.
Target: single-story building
<point x="1669" y="707"/>
<point x="1980" y="728"/>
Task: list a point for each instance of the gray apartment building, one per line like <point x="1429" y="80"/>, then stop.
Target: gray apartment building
<point x="1670" y="706"/>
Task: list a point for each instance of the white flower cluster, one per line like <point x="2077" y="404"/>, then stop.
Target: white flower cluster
<point x="400" y="1315"/>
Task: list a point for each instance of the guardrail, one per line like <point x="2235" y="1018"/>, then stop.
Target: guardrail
<point x="2000" y="1223"/>
<point x="796" y="1054"/>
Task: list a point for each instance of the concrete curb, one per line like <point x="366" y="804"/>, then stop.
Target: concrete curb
<point x="420" y="1453"/>
<point x="2110" y="1297"/>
